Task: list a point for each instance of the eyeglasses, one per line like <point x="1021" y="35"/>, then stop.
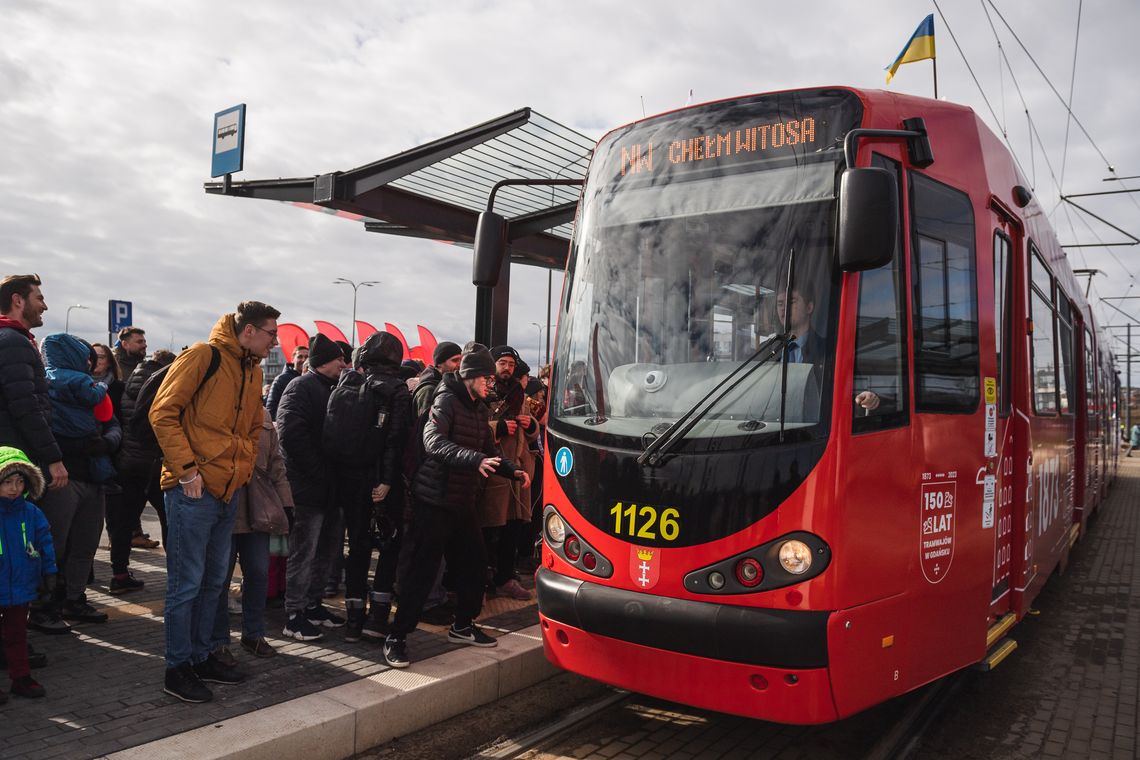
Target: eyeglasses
<point x="270" y="333"/>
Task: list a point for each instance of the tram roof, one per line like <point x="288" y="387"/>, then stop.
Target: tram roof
<point x="437" y="190"/>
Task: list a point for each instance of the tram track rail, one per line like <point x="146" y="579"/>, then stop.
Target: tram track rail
<point x="513" y="747"/>
<point x="903" y="739"/>
<point x="899" y="742"/>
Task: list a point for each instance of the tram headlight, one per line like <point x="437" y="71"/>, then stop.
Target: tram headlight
<point x="795" y="557"/>
<point x="555" y="529"/>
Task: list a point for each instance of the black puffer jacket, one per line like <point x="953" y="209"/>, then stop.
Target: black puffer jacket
<point x="300" y="420"/>
<point x="457" y="438"/>
<point x="134" y="458"/>
<point x="25" y="410"/>
<point x="79" y="454"/>
<point x="280" y="383"/>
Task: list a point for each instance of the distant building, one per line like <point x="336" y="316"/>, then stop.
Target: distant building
<point x="274" y="364"/>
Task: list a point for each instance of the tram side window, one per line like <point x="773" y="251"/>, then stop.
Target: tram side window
<point x="880" y="358"/>
<point x="1065" y="352"/>
<point x="945" y="299"/>
<point x="1044" y="353"/>
<point x="1003" y="293"/>
<point x="1092" y="401"/>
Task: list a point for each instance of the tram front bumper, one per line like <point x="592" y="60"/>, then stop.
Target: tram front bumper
<point x="769" y="664"/>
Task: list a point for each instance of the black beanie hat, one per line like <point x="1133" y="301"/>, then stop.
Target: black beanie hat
<point x="445" y="351"/>
<point x="323" y="350"/>
<point x="498" y="352"/>
<point x="477" y="363"/>
<point x="345" y="350"/>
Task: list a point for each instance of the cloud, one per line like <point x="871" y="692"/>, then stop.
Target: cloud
<point x="106" y="112"/>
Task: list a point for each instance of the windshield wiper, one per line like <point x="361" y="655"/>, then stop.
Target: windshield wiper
<point x="660" y="446"/>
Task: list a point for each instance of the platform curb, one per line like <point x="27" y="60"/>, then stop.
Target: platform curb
<point x="345" y="720"/>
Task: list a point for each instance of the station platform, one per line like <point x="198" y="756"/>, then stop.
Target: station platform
<point x="319" y="699"/>
<point x="1070" y="690"/>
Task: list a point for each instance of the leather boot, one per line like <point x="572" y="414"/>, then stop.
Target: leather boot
<point x="354" y="611"/>
<point x="377" y="625"/>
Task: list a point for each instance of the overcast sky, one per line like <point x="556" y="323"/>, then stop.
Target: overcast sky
<point x="106" y="111"/>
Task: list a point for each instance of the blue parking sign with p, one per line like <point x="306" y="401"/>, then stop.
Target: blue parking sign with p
<point x="118" y="315"/>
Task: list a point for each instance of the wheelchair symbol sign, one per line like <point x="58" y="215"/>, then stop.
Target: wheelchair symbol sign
<point x="563" y="461"/>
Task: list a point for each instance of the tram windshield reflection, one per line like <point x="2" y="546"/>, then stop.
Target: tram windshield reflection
<point x="675" y="284"/>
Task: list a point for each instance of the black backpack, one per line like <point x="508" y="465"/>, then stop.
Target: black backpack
<point x="138" y="427"/>
<point x="357" y="419"/>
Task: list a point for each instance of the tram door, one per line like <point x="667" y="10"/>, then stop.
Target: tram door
<point x="999" y="479"/>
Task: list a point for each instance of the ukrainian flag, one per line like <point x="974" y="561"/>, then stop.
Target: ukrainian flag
<point x="918" y="48"/>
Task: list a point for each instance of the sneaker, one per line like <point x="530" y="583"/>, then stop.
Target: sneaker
<point x="297" y="627"/>
<point x="122" y="584"/>
<point x="182" y="682"/>
<point x="320" y="615"/>
<point x="26" y="686"/>
<point x="81" y="611"/>
<point x="396" y="651"/>
<point x="470" y="635"/>
<point x="48" y="621"/>
<point x="215" y="671"/>
<point x="514" y="590"/>
<point x="233" y="604"/>
<point x="376" y="627"/>
<point x="143" y="541"/>
<point x="258" y="647"/>
<point x="225" y="656"/>
<point x="332" y="589"/>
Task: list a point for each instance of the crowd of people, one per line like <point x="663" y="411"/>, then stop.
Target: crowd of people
<point x="426" y="471"/>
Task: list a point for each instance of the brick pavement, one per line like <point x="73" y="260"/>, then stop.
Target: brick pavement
<point x="1071" y="689"/>
<point x="104" y="681"/>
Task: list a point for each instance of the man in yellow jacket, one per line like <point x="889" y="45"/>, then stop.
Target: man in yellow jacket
<point x="208" y="426"/>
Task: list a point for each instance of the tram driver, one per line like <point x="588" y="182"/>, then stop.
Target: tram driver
<point x="808" y="346"/>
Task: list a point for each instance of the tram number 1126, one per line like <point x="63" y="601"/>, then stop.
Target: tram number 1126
<point x="646" y="522"/>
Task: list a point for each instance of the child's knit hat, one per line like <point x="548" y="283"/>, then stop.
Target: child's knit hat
<point x="13" y="460"/>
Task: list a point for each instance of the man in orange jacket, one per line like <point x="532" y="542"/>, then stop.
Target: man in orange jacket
<point x="208" y="426"/>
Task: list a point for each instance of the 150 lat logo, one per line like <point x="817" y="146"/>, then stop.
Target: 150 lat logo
<point x="646" y="522"/>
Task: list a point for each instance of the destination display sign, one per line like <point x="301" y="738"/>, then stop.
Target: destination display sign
<point x="733" y="132"/>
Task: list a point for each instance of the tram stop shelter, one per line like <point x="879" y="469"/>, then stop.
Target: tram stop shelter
<point x="437" y="191"/>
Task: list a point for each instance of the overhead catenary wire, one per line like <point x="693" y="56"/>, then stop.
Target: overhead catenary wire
<point x="1072" y="87"/>
<point x="1108" y="164"/>
<point x="981" y="91"/>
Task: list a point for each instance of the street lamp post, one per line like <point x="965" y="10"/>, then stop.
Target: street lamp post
<point x="67" y="319"/>
<point x="536" y="324"/>
<point x="355" y="286"/>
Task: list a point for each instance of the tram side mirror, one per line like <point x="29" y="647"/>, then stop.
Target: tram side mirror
<point x="490" y="246"/>
<point x="868" y="218"/>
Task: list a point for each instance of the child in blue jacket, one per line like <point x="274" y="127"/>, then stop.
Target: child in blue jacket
<point x="27" y="557"/>
<point x="79" y="404"/>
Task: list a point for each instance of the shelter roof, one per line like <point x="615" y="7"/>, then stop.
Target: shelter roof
<point x="437" y="190"/>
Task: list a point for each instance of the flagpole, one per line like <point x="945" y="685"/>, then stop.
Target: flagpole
<point x="934" y="65"/>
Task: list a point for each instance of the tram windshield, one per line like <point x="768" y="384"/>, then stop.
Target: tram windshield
<point x="692" y="227"/>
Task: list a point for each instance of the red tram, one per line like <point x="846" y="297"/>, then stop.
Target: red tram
<point x="828" y="406"/>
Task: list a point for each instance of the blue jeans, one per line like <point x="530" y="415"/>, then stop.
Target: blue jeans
<point x="253" y="548"/>
<point x="197" y="558"/>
